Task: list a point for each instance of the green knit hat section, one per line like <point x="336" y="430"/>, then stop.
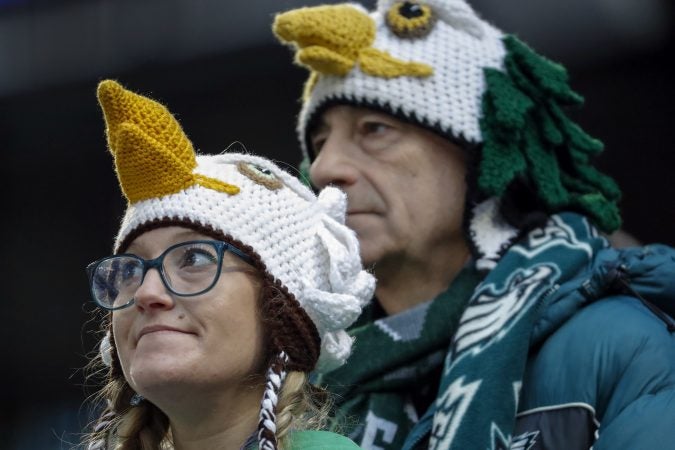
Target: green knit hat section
<point x="527" y="136"/>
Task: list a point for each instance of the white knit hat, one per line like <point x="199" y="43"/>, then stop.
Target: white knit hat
<point x="300" y="239"/>
<point x="436" y="64"/>
<point x="297" y="240"/>
<point x="427" y="68"/>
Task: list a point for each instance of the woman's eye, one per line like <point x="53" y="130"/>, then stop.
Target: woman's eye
<point x="129" y="271"/>
<point x="197" y="257"/>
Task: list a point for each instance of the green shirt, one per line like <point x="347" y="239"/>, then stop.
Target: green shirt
<point x="319" y="440"/>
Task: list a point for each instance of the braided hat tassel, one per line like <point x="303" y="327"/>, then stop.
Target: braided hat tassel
<point x="267" y="427"/>
<point x="104" y="423"/>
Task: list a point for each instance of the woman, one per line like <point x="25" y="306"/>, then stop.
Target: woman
<point x="230" y="281"/>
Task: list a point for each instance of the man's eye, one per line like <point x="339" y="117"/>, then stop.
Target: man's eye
<point x="375" y="127"/>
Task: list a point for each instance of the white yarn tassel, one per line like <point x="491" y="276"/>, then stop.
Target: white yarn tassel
<point x="350" y="288"/>
<point x="337" y="304"/>
<point x="97" y="445"/>
<point x="333" y="202"/>
<point x="105" y="348"/>
<point x="336" y="347"/>
<point x="103" y="423"/>
<point x="276" y="375"/>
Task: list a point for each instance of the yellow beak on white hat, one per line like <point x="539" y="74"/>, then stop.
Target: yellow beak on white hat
<point x="332" y="39"/>
<point x="153" y="156"/>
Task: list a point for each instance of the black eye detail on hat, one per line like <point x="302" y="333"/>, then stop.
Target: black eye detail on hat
<point x="410" y="19"/>
<point x="410" y="10"/>
<point x="260" y="175"/>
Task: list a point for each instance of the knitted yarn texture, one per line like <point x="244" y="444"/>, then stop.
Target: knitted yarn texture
<point x="526" y="134"/>
<point x="167" y="164"/>
<point x="471" y="83"/>
<point x="455" y="45"/>
<point x="300" y="238"/>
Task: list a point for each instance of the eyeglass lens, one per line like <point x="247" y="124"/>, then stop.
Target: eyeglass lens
<point x="187" y="269"/>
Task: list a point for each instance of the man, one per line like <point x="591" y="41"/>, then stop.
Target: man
<point x="501" y="317"/>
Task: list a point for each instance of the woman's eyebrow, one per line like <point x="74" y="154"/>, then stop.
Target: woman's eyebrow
<point x="189" y="234"/>
<point x="180" y="236"/>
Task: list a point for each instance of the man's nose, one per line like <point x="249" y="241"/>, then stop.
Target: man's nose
<point x="152" y="294"/>
<point x="334" y="165"/>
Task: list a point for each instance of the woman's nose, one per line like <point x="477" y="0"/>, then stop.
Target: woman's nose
<point x="152" y="294"/>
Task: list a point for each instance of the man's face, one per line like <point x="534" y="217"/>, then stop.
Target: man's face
<point x="405" y="185"/>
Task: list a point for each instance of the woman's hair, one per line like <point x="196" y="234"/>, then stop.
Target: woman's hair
<point x="302" y="406"/>
<point x="122" y="426"/>
<point x="144" y="427"/>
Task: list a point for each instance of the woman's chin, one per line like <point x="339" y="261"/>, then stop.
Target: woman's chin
<point x="156" y="371"/>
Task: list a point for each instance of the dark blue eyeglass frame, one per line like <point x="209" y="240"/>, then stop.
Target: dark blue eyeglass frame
<point x="158" y="263"/>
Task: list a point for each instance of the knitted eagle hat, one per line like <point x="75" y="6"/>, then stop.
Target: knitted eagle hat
<point x="436" y="64"/>
<point x="298" y="240"/>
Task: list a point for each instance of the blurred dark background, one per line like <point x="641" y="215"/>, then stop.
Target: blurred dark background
<point x="218" y="68"/>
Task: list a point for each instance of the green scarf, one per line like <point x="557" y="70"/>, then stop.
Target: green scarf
<point x="481" y="329"/>
<point x="374" y="403"/>
<point x="479" y="391"/>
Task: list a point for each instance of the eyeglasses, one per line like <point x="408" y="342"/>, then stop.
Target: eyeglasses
<point x="186" y="269"/>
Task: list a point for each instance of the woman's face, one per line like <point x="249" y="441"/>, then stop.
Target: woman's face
<point x="176" y="346"/>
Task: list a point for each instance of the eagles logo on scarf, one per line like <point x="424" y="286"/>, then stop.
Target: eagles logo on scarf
<point x="494" y="335"/>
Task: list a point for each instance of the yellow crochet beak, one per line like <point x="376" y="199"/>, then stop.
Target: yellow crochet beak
<point x="332" y="39"/>
<point x="329" y="38"/>
<point x="153" y="156"/>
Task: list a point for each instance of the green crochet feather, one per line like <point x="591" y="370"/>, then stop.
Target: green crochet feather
<point x="526" y="135"/>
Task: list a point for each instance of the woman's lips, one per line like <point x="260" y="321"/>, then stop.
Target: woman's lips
<point x="160" y="329"/>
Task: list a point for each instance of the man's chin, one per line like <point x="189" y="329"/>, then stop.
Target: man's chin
<point x="368" y="228"/>
<point x="367" y="259"/>
<point x="369" y="250"/>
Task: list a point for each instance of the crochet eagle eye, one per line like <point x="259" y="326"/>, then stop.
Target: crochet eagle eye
<point x="410" y="10"/>
<point x="260" y="175"/>
<point x="266" y="172"/>
<point x="410" y="19"/>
